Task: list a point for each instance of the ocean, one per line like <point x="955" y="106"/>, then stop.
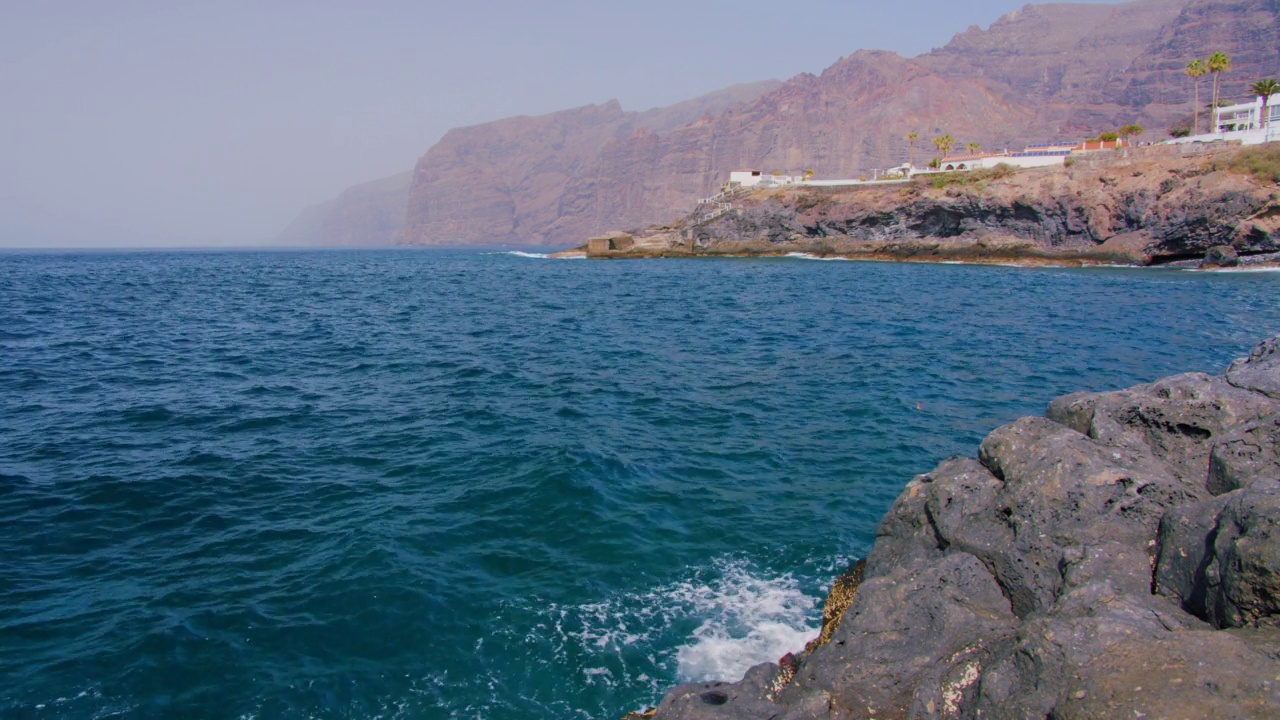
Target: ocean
<point x="445" y="484"/>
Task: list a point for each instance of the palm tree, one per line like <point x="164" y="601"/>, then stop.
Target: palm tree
<point x="973" y="147"/>
<point x="911" y="152"/>
<point x="1266" y="88"/>
<point x="1218" y="63"/>
<point x="1195" y="71"/>
<point x="944" y="145"/>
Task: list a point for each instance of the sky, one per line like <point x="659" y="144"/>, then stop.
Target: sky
<point x="175" y="123"/>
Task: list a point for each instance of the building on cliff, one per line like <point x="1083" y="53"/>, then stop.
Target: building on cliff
<point x="1243" y="123"/>
<point x="757" y="178"/>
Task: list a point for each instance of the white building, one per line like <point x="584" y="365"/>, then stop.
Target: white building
<point x="1028" y="158"/>
<point x="1247" y="116"/>
<point x="1243" y="123"/>
<point x="753" y="178"/>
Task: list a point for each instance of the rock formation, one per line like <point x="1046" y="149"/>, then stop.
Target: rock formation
<point x="370" y="214"/>
<point x="1045" y="72"/>
<point x="1141" y="206"/>
<point x="1117" y="558"/>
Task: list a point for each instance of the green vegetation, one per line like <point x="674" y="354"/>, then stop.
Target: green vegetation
<point x="911" y="148"/>
<point x="1182" y="128"/>
<point x="1129" y="131"/>
<point x="944" y="145"/>
<point x="976" y="179"/>
<point x="1266" y="88"/>
<point x="973" y="147"/>
<point x="1217" y="64"/>
<point x="1195" y="71"/>
<point x="1260" y="161"/>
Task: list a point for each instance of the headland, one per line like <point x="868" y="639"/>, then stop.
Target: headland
<point x="1199" y="205"/>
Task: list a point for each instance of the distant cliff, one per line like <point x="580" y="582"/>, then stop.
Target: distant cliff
<point x="1045" y="72"/>
<point x="370" y="214"/>
<point x="490" y="183"/>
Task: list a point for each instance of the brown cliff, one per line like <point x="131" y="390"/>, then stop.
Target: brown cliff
<point x="1045" y="72"/>
<point x="1041" y="73"/>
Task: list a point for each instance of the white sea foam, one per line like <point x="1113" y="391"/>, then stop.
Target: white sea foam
<point x="521" y="253"/>
<point x="739" y="618"/>
<point x="747" y="620"/>
<point x="537" y="256"/>
<point x="811" y="256"/>
<point x="1247" y="269"/>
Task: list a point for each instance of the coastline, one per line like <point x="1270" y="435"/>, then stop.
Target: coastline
<point x="1164" y="206"/>
<point x="1118" y="557"/>
<point x="1268" y="261"/>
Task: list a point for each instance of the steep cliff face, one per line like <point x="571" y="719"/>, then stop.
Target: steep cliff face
<point x="1056" y="71"/>
<point x="520" y="180"/>
<point x="1155" y="86"/>
<point x="370" y="214"/>
<point x="1044" y="72"/>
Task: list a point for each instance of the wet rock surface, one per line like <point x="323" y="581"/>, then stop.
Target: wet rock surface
<point x="1118" y="558"/>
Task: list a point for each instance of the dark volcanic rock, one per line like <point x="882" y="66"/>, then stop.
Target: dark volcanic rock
<point x="1119" y="558"/>
<point x="1220" y="256"/>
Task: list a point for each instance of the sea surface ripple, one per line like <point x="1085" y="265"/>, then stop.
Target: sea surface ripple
<point x="450" y="484"/>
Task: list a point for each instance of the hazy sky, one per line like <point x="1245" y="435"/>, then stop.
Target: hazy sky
<point x="179" y="123"/>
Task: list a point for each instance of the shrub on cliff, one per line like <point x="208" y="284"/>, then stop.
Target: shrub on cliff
<point x="1260" y="161"/>
<point x="972" y="178"/>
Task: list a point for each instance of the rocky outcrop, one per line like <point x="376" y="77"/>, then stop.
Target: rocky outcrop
<point x="1117" y="558"/>
<point x="1141" y="206"/>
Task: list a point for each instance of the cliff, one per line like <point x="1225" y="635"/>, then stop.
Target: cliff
<point x="527" y="180"/>
<point x="1045" y="72"/>
<point x="1117" y="558"/>
<point x="368" y="214"/>
<point x="1143" y="206"/>
<point x="1042" y="73"/>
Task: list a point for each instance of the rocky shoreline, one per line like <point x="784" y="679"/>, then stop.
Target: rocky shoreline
<point x="1212" y="207"/>
<point x="1117" y="558"/>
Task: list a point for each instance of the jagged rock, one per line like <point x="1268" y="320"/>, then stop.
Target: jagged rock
<point x="1081" y="567"/>
<point x="1175" y="421"/>
<point x="1260" y="371"/>
<point x="1221" y="558"/>
<point x="1247" y="452"/>
<point x="1220" y="256"/>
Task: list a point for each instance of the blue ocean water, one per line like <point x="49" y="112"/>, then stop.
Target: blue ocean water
<point x="412" y="484"/>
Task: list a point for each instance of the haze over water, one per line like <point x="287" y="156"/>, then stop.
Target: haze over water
<point x="448" y="484"/>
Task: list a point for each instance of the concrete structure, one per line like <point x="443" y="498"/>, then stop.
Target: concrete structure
<point x="754" y="178"/>
<point x="746" y="178"/>
<point x="1242" y="123"/>
<point x="1246" y="116"/>
<point x="612" y="242"/>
